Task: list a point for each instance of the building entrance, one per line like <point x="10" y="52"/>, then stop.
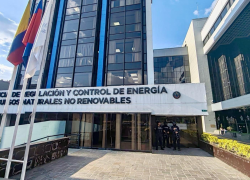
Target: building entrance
<point x="110" y="131"/>
<point x="188" y="129"/>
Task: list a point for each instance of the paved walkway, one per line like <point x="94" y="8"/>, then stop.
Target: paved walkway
<point x="191" y="164"/>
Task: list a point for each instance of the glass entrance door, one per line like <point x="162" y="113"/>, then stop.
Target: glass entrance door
<point x="111" y="131"/>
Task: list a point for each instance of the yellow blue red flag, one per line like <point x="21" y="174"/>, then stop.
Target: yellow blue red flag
<point x="17" y="47"/>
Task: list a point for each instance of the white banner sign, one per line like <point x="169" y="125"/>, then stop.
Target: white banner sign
<point x="170" y="99"/>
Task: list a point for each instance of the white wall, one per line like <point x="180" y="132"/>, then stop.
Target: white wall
<point x="178" y="51"/>
<point x="237" y="102"/>
<point x="199" y="68"/>
<point x="40" y="130"/>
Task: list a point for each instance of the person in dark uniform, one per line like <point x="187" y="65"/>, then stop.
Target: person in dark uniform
<point x="166" y="134"/>
<point x="158" y="135"/>
<point x="176" y="136"/>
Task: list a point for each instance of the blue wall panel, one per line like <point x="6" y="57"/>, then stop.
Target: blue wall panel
<point x="101" y="57"/>
<point x="55" y="45"/>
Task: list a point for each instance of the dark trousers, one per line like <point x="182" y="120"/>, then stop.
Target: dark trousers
<point x="176" y="140"/>
<point x="158" y="142"/>
<point x="166" y="139"/>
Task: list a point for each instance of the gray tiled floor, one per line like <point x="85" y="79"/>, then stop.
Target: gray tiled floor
<point x="193" y="164"/>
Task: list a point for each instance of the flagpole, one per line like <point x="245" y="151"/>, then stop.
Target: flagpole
<point x="7" y="102"/>
<point x="19" y="111"/>
<point x="39" y="81"/>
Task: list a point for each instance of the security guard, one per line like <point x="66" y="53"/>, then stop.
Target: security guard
<point x="166" y="134"/>
<point x="158" y="135"/>
<point x="176" y="136"/>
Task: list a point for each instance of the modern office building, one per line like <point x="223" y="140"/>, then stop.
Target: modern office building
<point x="218" y="51"/>
<point x="105" y="87"/>
<point x="98" y="83"/>
<point x="226" y="43"/>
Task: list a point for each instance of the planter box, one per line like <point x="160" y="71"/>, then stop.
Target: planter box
<point x="40" y="153"/>
<point x="237" y="162"/>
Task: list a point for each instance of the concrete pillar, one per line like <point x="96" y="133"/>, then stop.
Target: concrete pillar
<point x="139" y="131"/>
<point x="118" y="131"/>
<point x="88" y="130"/>
<point x="133" y="136"/>
<point x="104" y="131"/>
<point x="82" y="131"/>
<point x="150" y="132"/>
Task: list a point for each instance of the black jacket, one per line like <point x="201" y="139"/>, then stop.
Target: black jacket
<point x="158" y="131"/>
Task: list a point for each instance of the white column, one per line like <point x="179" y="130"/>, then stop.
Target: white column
<point x="149" y="31"/>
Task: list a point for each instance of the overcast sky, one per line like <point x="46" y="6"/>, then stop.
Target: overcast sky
<point x="171" y="19"/>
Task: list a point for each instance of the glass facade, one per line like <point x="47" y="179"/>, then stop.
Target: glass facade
<point x="77" y="59"/>
<point x="171" y="70"/>
<point x="237" y="119"/>
<point x="229" y="67"/>
<point x="32" y="82"/>
<point x="126" y="43"/>
<point x="97" y="130"/>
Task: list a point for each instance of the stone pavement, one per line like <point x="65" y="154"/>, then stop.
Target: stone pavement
<point x="188" y="164"/>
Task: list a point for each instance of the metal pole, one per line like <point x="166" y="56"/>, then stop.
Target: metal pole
<point x="45" y="51"/>
<point x="7" y="102"/>
<point x="19" y="111"/>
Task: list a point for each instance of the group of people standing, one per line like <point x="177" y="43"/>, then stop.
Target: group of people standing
<point x="166" y="136"/>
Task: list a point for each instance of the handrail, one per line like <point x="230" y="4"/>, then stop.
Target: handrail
<point x="65" y="135"/>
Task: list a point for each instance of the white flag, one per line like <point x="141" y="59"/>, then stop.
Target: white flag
<point x="36" y="55"/>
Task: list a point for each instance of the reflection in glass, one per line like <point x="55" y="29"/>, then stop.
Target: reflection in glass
<point x="85" y="49"/>
<point x="66" y="62"/>
<point x="117" y="19"/>
<point x="117" y="3"/>
<point x="80" y="69"/>
<point x="132" y="57"/>
<point x="116" y="46"/>
<point x="73" y="3"/>
<point x="89" y="8"/>
<point x="133" y="17"/>
<point x="132" y="77"/>
<point x="133" y="27"/>
<point x="82" y="79"/>
<point x="130" y="2"/>
<point x="115" y="78"/>
<point x="75" y="10"/>
<point x="88" y="23"/>
<point x="116" y="58"/>
<point x="87" y="33"/>
<point x="71" y="25"/>
<point x="71" y="35"/>
<point x="63" y="80"/>
<point x="132" y="45"/>
<point x="68" y="51"/>
<point x="116" y="29"/>
<point x="171" y="70"/>
<point x="86" y="2"/>
<point x="84" y="61"/>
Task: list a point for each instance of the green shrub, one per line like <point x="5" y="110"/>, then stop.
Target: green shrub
<point x="228" y="144"/>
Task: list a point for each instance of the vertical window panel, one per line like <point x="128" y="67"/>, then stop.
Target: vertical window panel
<point x="117" y="3"/>
<point x="68" y="51"/>
<point x="85" y="50"/>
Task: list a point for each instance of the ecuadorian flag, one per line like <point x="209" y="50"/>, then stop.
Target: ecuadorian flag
<point x="17" y="47"/>
<point x="31" y="32"/>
